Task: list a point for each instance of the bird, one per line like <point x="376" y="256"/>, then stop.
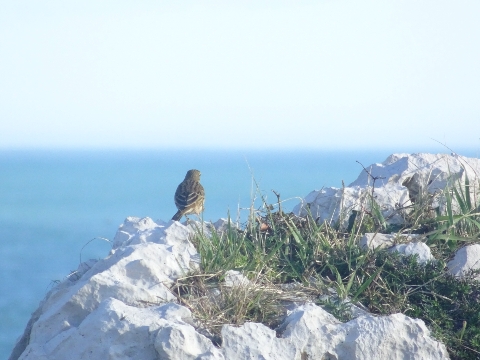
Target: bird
<point x="190" y="195"/>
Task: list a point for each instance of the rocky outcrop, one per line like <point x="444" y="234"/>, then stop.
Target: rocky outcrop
<point x="395" y="184"/>
<point x="145" y="260"/>
<point x="121" y="307"/>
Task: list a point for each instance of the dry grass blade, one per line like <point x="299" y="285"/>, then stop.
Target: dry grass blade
<point x="215" y="304"/>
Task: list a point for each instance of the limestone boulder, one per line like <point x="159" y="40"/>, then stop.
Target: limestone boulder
<point x="465" y="261"/>
<point x="145" y="260"/>
<point x="318" y="335"/>
<point x="395" y="184"/>
<point x="407" y="245"/>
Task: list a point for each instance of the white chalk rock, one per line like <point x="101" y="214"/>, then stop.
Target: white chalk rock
<point x="387" y="241"/>
<point x="466" y="259"/>
<point x="309" y="332"/>
<point x="222" y="225"/>
<point x="146" y="258"/>
<point x="399" y="177"/>
<point x="179" y="340"/>
<point x="318" y="335"/>
<point x="255" y="341"/>
<point x="112" y="331"/>
<point x="219" y="227"/>
<point x="118" y="308"/>
<point x="423" y="252"/>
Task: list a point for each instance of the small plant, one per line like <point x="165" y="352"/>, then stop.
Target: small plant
<point x="214" y="303"/>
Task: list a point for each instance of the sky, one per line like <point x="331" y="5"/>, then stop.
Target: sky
<point x="239" y="74"/>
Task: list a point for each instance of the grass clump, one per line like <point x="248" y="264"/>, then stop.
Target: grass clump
<point x="215" y="302"/>
<point x="291" y="259"/>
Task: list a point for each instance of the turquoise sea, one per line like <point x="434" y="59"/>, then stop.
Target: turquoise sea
<point x="53" y="203"/>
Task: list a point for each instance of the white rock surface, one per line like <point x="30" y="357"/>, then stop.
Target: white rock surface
<point x="465" y="260"/>
<point x="220" y="226"/>
<point x="423" y="252"/>
<point x="390" y="241"/>
<point x="427" y="172"/>
<point x="309" y="332"/>
<point x="146" y="258"/>
<point x="179" y="340"/>
<point x="121" y="308"/>
<point x="256" y="341"/>
<point x="112" y="331"/>
<point x="317" y="333"/>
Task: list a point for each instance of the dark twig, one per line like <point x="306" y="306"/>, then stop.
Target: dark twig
<point x="375" y="178"/>
<point x="279" y="203"/>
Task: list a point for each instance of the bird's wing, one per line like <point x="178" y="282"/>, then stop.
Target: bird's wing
<point x="188" y="194"/>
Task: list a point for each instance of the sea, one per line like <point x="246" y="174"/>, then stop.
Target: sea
<point x="58" y="207"/>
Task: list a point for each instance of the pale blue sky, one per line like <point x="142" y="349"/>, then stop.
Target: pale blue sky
<point x="321" y="74"/>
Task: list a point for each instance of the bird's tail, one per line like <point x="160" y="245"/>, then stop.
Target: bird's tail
<point x="177" y="216"/>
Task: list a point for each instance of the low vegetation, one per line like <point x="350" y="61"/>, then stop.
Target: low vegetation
<point x="287" y="258"/>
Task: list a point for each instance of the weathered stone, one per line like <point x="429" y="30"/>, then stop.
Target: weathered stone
<point x="318" y="335"/>
<point x="401" y="181"/>
<point x="255" y="341"/>
<point x="121" y="307"/>
<point x="420" y="249"/>
<point x="466" y="259"/>
<point x="146" y="258"/>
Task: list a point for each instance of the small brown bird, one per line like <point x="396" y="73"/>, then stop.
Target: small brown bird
<point x="190" y="195"/>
